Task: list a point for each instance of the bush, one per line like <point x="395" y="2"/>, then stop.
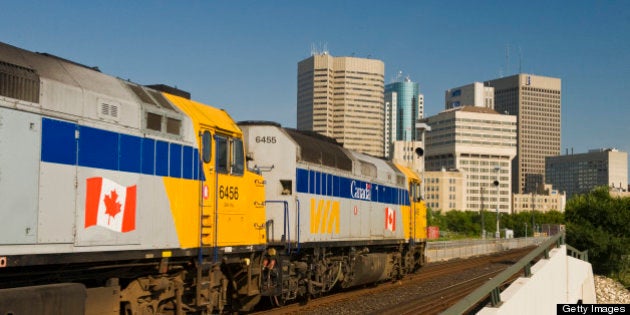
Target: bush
<point x="598" y="223"/>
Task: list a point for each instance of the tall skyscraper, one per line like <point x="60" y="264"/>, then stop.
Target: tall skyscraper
<point x="342" y="98"/>
<point x="409" y="108"/>
<point x="404" y="105"/>
<point x="536" y="101"/>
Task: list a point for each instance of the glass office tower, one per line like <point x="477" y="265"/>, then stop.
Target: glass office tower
<point x="409" y="107"/>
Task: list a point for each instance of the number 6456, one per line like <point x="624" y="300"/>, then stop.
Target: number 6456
<point x="228" y="192"/>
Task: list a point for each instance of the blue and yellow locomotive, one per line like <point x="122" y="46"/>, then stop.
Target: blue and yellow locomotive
<point x="129" y="198"/>
<point x="334" y="216"/>
<point x="121" y="198"/>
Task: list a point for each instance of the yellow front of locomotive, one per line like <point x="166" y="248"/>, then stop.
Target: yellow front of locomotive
<point x="229" y="199"/>
<point x="415" y="218"/>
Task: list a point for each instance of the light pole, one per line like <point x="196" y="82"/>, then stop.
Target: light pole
<point x="483" y="223"/>
<point x="533" y="210"/>
<point x="423" y="128"/>
<point x="497" y="234"/>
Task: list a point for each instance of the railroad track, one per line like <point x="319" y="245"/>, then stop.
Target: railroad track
<point x="432" y="290"/>
<point x="442" y="298"/>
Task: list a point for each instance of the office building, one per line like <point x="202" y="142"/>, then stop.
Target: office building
<point x="445" y="190"/>
<point x="580" y="173"/>
<point x="406" y="153"/>
<point x="404" y="105"/>
<point x="480" y="143"/>
<point x="342" y="98"/>
<point x="407" y="108"/>
<point x="544" y="199"/>
<point x="391" y="108"/>
<point x="475" y="94"/>
<point x="536" y="101"/>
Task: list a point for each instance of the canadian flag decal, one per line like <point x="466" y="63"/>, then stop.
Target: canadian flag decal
<point x="110" y="205"/>
<point x="390" y="219"/>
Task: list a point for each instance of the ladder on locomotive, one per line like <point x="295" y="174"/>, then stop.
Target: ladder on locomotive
<point x="206" y="260"/>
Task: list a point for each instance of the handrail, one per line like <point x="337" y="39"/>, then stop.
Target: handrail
<point x="573" y="252"/>
<point x="297" y="202"/>
<point x="492" y="287"/>
<point x="285" y="223"/>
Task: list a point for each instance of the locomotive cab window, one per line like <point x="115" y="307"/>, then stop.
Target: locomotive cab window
<point x="207" y="146"/>
<point x="238" y="157"/>
<point x="222" y="154"/>
<point x="415" y="190"/>
<point x="230" y="155"/>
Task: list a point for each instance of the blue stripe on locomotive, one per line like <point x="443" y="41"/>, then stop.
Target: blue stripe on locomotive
<point x="109" y="150"/>
<point x="320" y="183"/>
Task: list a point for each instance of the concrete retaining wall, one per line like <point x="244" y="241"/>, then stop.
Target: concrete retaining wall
<point x="440" y="251"/>
<point x="559" y="279"/>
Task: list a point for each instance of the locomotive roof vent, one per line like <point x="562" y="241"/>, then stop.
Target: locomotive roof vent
<point x="108" y="109"/>
<point x="170" y="90"/>
<point x="258" y="123"/>
<point x="19" y="82"/>
<point x="151" y="96"/>
<point x="69" y="61"/>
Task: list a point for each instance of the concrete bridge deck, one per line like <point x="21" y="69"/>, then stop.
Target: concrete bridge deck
<point x="558" y="279"/>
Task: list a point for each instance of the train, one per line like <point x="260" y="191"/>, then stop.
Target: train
<point x="335" y="217"/>
<point x="123" y="198"/>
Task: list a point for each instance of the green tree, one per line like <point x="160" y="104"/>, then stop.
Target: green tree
<point x="468" y="223"/>
<point x="599" y="223"/>
<point x="461" y="222"/>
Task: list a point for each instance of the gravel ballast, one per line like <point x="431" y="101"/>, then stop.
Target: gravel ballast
<point x="609" y="291"/>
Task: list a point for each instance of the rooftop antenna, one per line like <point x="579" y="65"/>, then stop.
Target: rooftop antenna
<point x="507" y="59"/>
<point x="318" y="50"/>
<point x="520" y="60"/>
<point x="398" y="76"/>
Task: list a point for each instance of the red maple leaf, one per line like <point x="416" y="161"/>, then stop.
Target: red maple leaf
<point x="112" y="206"/>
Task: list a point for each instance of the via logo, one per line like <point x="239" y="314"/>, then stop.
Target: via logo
<point x="324" y="216"/>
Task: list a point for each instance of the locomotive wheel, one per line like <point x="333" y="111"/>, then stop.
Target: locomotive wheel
<point x="305" y="299"/>
<point x="277" y="301"/>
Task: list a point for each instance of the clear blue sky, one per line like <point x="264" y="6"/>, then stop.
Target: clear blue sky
<point x="242" y="55"/>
